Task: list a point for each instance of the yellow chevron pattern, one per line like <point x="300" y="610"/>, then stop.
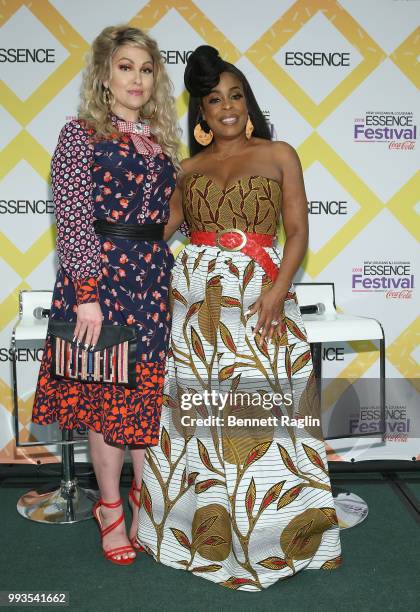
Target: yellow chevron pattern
<point x="314" y="149"/>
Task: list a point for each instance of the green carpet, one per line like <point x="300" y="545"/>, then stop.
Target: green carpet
<point x="380" y="566"/>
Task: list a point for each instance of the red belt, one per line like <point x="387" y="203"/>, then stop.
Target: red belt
<point x="237" y="240"/>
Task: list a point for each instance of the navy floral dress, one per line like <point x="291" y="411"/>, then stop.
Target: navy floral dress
<point x="109" y="180"/>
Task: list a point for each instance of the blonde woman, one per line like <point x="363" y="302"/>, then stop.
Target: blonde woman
<point x="113" y="173"/>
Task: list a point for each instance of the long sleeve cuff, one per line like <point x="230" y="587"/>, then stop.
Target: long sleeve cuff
<point x="184" y="228"/>
<point x="86" y="290"/>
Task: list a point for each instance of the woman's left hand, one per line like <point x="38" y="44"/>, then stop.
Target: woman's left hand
<point x="270" y="308"/>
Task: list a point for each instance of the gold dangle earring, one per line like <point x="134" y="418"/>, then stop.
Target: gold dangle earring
<point x="147" y="117"/>
<point x="249" y="128"/>
<point x="202" y="137"/>
<point x="107" y="98"/>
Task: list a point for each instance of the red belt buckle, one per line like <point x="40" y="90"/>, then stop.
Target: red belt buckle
<point x="239" y="247"/>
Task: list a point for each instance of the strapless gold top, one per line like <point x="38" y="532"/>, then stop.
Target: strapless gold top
<point x="251" y="204"/>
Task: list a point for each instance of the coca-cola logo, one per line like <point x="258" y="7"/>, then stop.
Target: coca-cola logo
<point x="404" y="294"/>
<point x="407" y="145"/>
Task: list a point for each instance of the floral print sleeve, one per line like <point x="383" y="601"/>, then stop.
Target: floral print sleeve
<point x="78" y="247"/>
<point x="86" y="290"/>
<point x="184" y="228"/>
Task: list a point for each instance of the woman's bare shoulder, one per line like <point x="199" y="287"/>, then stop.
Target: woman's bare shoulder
<point x="284" y="151"/>
<point x="188" y="166"/>
<point x="276" y="147"/>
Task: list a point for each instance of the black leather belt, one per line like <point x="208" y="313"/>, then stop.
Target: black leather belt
<point x="148" y="231"/>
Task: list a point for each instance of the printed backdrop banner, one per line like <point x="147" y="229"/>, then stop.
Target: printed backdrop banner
<point x="336" y="79"/>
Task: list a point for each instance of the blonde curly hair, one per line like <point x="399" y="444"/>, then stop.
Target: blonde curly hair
<point x="94" y="108"/>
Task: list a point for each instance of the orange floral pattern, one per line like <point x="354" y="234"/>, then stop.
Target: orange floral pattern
<point x="107" y="179"/>
<point x="86" y="291"/>
<point x="123" y="416"/>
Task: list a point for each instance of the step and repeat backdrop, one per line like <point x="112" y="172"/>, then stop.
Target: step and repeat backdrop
<point x="336" y="79"/>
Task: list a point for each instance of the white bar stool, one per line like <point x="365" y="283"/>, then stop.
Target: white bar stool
<point x="324" y="324"/>
<point x="69" y="503"/>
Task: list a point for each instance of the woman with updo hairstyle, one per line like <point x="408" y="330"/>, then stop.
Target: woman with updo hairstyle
<point x="238" y="490"/>
<point x="113" y="173"/>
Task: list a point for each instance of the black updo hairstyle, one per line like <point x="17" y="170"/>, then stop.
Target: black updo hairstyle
<point x="202" y="74"/>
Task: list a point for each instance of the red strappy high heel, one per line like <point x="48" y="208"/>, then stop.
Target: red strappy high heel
<point x="120" y="550"/>
<point x="137" y="503"/>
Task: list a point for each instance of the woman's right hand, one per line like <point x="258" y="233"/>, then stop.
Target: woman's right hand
<point x="89" y="323"/>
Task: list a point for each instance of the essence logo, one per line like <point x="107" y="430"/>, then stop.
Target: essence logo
<point x="24" y="207"/>
<point x="332" y="353"/>
<point x="329" y="207"/>
<point x="397" y="422"/>
<point x="336" y="59"/>
<point x="397" y="129"/>
<point x="25" y="56"/>
<point x="22" y="355"/>
<point x="175" y="57"/>
<point x="393" y="278"/>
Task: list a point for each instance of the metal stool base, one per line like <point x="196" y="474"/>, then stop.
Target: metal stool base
<point x="68" y="504"/>
<point x="350" y="508"/>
